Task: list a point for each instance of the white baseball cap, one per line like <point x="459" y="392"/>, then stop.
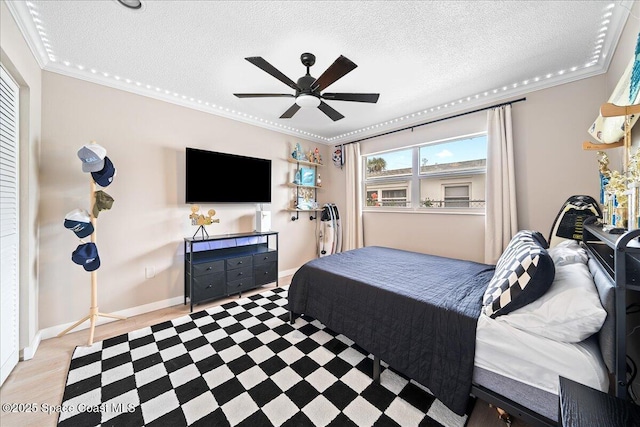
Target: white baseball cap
<point x="92" y="156"/>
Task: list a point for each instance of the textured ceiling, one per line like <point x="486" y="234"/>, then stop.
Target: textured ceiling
<point x="427" y="59"/>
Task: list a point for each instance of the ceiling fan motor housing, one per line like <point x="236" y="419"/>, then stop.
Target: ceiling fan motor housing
<point x="305" y="83"/>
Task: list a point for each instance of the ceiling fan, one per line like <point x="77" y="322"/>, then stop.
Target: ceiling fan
<point x="308" y="89"/>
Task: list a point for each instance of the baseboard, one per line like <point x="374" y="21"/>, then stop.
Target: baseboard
<point x="53" y="331"/>
<point x="287" y="273"/>
<point x="29" y="351"/>
<point x="128" y="312"/>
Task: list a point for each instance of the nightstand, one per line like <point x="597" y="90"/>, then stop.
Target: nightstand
<point x="582" y="406"/>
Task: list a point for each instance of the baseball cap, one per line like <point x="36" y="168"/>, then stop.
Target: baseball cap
<point x="104" y="177"/>
<point x="103" y="202"/>
<point x="79" y="221"/>
<point x="92" y="156"/>
<point x="86" y="255"/>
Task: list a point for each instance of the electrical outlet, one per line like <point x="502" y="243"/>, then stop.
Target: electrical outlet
<point x="149" y="272"/>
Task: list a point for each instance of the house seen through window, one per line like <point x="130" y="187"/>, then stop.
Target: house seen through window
<point x="444" y="174"/>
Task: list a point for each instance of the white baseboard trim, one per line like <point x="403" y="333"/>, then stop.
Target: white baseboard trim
<point x="29" y="351"/>
<point x="53" y="331"/>
<point x="286" y="273"/>
<point x="128" y="312"/>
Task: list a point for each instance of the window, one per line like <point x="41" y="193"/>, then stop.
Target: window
<point x="456" y="196"/>
<point x="388" y="177"/>
<point x="442" y="174"/>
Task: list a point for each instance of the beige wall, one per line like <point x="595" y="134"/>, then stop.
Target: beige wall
<point x="145" y="139"/>
<point x="17" y="59"/>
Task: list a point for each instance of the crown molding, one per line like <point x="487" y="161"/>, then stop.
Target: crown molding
<point x="23" y="19"/>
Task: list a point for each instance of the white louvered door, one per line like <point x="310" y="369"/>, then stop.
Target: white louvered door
<point x="9" y="346"/>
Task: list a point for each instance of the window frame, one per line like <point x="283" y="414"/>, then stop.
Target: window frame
<point x="413" y="181"/>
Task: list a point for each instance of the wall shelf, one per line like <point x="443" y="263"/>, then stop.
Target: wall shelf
<point x="304" y="192"/>
<point x="292" y="185"/>
<point x="303" y="162"/>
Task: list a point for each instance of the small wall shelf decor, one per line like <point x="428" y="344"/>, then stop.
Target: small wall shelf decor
<point x="84" y="223"/>
<point x="306" y="182"/>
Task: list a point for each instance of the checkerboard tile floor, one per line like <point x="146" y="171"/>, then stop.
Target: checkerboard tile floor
<point x="240" y="364"/>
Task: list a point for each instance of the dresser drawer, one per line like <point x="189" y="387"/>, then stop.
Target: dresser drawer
<point x="244" y="261"/>
<point x="265" y="257"/>
<point x="241" y="285"/>
<point x="207" y="268"/>
<point x="208" y="286"/>
<point x="265" y="273"/>
<point x="239" y="273"/>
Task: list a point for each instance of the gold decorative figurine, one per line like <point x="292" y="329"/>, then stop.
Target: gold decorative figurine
<point x="202" y="220"/>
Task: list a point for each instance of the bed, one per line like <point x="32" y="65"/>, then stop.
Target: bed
<point x="433" y="319"/>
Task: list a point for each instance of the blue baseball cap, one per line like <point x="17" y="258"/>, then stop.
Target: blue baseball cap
<point x="79" y="221"/>
<point x="86" y="255"/>
<point x="104" y="177"/>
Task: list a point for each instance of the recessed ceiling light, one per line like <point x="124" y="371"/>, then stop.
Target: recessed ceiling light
<point x="131" y="4"/>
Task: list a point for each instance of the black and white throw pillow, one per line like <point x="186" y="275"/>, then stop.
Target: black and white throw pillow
<point x="524" y="272"/>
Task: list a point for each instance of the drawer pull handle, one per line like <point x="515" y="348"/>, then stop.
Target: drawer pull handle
<point x="210" y="286"/>
<point x="240" y="274"/>
<point x="239" y="262"/>
<point x="209" y="268"/>
<point x="266" y="257"/>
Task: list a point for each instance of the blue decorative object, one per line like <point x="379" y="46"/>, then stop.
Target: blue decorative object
<point x="307" y="177"/>
<point x="297" y="153"/>
<point x="635" y="74"/>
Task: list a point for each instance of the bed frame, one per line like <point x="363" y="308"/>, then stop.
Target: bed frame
<point x="538" y="407"/>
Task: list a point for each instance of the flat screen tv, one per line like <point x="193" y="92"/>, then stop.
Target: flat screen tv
<point x="213" y="177"/>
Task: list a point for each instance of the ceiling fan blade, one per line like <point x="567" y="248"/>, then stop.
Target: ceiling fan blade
<point x="265" y="66"/>
<point x="333" y="114"/>
<point x="338" y="69"/>
<point x="357" y="97"/>
<point x="263" y="95"/>
<point x="290" y="112"/>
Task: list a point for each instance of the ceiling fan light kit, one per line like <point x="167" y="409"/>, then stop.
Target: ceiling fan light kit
<point x="306" y="101"/>
<point x="308" y="89"/>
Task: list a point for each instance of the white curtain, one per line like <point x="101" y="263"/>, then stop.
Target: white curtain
<point x="352" y="220"/>
<point x="501" y="215"/>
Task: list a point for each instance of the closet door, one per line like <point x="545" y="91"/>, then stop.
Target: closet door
<point x="9" y="346"/>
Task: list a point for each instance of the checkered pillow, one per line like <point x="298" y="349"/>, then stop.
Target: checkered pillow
<point x="524" y="272"/>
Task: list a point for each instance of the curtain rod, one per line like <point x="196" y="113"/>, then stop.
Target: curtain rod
<point x="434" y="121"/>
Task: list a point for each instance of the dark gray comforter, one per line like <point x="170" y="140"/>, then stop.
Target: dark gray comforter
<point x="416" y="312"/>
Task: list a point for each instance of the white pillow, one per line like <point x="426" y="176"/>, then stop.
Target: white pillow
<point x="570" y="311"/>
<point x="568" y="252"/>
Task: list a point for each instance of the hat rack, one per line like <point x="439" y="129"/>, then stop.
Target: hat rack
<point x="94" y="311"/>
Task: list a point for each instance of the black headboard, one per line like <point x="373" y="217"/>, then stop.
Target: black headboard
<point x="606" y="290"/>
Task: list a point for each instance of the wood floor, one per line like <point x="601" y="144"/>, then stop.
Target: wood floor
<point x="39" y="382"/>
